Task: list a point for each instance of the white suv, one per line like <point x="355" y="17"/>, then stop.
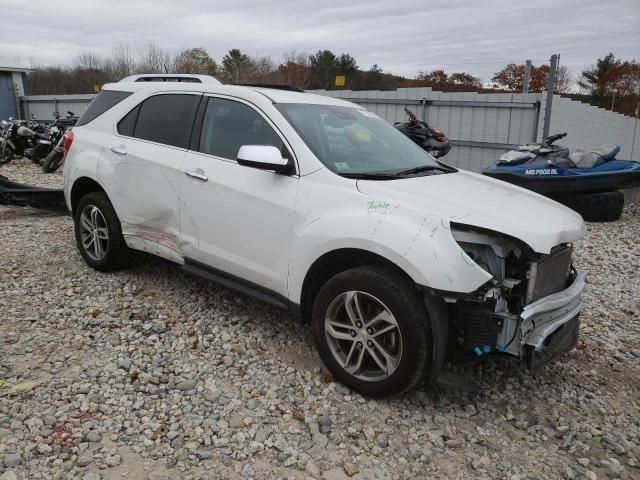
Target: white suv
<point x="320" y="207"/>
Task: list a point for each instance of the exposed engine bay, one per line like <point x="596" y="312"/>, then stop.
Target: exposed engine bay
<point x="523" y="309"/>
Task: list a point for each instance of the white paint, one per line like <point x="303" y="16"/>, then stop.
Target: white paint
<point x="269" y="229"/>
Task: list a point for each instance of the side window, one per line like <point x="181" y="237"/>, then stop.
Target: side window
<point x="104" y="101"/>
<point x="227" y="125"/>
<point x="166" y="118"/>
<point x="128" y="123"/>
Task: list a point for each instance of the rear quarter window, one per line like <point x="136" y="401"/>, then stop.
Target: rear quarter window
<point x="104" y="101"/>
<point x="163" y="118"/>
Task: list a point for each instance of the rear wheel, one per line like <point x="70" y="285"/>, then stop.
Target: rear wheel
<point x="372" y="331"/>
<point x="596" y="207"/>
<point x="40" y="151"/>
<point x="52" y="161"/>
<point x="98" y="233"/>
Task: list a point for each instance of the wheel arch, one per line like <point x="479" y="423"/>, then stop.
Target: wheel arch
<point x="82" y="186"/>
<point x="333" y="262"/>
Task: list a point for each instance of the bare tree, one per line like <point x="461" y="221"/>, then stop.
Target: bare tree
<point x="154" y="59"/>
<point x="122" y="61"/>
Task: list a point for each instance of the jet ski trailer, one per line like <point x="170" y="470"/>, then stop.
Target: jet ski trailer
<point x="18" y="194"/>
<point x="589" y="181"/>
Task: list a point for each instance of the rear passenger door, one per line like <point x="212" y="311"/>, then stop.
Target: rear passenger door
<point x="234" y="219"/>
<point x="143" y="168"/>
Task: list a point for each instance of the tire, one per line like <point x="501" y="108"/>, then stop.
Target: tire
<point x="597" y="207"/>
<point x="376" y="287"/>
<point x="112" y="253"/>
<point x="6" y="153"/>
<point x="40" y="151"/>
<point x="52" y="162"/>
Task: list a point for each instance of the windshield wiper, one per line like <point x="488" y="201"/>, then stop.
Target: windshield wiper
<point x="424" y="168"/>
<point x="370" y="176"/>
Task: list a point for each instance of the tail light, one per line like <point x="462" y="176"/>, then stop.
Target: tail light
<point x="66" y="143"/>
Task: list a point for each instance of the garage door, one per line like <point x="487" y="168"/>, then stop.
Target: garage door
<point x="8" y="104"/>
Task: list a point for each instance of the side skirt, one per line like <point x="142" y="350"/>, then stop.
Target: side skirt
<point x="240" y="285"/>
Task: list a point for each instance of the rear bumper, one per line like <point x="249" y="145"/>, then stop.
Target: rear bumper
<point x="550" y="326"/>
<point x="14" y="193"/>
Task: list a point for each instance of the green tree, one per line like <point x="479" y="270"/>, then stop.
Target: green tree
<point x="596" y="78"/>
<point x="197" y="61"/>
<point x="236" y="66"/>
<point x="324" y="65"/>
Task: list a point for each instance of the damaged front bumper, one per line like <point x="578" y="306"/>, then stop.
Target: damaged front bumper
<point x="549" y="327"/>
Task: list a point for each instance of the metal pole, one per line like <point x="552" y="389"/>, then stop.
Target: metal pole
<point x="551" y="87"/>
<point x="527" y="76"/>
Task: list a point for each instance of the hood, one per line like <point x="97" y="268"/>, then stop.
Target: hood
<point x="476" y="200"/>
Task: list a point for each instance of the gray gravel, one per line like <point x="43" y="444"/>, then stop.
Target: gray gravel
<point x="151" y="374"/>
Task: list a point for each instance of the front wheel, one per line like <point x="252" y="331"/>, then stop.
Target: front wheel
<point x="6" y="153"/>
<point x="372" y="331"/>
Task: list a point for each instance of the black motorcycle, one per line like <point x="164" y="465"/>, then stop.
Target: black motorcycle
<point x="43" y="148"/>
<point x="19" y="137"/>
<point x="430" y="139"/>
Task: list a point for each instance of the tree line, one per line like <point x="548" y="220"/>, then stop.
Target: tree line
<point x="610" y="82"/>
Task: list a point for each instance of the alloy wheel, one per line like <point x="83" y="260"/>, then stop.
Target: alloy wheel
<point x="363" y="336"/>
<point x="94" y="232"/>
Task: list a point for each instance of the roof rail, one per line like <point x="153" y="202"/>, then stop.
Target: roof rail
<point x="171" y="77"/>
<point x="274" y="86"/>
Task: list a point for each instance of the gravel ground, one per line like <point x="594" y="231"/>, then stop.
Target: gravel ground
<point x="151" y="374"/>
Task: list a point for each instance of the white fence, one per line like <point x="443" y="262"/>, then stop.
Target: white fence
<point x="41" y="107"/>
<point x="482" y="126"/>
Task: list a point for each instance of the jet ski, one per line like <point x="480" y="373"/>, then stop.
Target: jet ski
<point x="590" y="181"/>
<point x="430" y="139"/>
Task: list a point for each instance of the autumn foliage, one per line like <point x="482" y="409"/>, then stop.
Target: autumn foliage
<point x="511" y="78"/>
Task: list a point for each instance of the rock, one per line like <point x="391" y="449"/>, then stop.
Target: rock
<point x="382" y="440"/>
<point x="44" y="449"/>
<point x="262" y="434"/>
<point x="247" y="471"/>
<point x="453" y="443"/>
<point x="9" y="475"/>
<point x="95" y="398"/>
<point x="92" y="476"/>
<point x="84" y="388"/>
<point x="92" y="437"/>
<point x="320" y="440"/>
<point x="124" y="364"/>
<point x="112" y="460"/>
<point x="470" y="409"/>
<point x="350" y="469"/>
<point x="204" y="454"/>
<point x="84" y="459"/>
<point x="12" y="460"/>
<point x="236" y="421"/>
<point x="186" y="385"/>
<point x="313" y="470"/>
<point x="590" y="475"/>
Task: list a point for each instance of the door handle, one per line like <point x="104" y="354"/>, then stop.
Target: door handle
<point x="119" y="150"/>
<point x="197" y="173"/>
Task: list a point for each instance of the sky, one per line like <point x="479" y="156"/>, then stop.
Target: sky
<point x="403" y="37"/>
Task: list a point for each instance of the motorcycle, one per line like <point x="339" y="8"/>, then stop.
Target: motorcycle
<point x="430" y="139"/>
<point x="57" y="130"/>
<point x="18" y="138"/>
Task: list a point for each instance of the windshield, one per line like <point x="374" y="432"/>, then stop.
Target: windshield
<point x="351" y="141"/>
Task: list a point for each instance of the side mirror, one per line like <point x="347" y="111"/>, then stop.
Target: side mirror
<point x="264" y="157"/>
